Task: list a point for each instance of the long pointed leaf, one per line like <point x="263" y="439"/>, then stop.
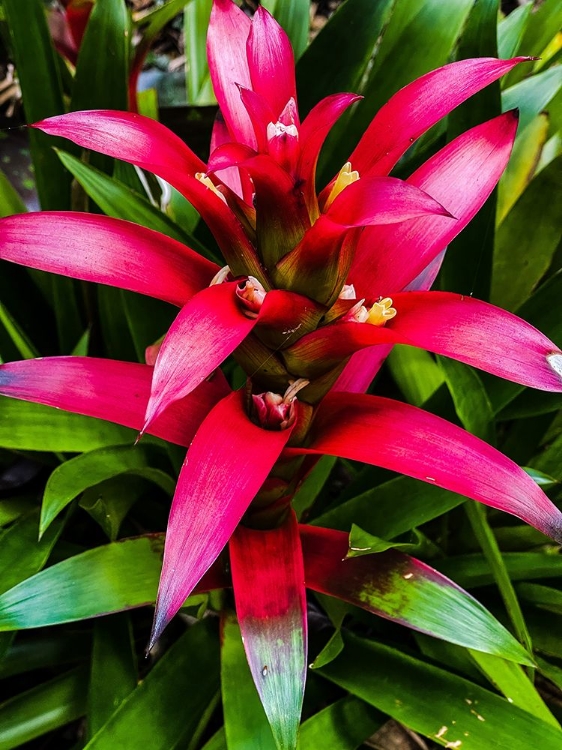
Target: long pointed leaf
<point x="401" y="588"/>
<point x="84" y="246"/>
<point x="406" y="439"/>
<point x="229" y="459"/>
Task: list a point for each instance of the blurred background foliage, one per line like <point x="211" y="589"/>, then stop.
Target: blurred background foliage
<point x="72" y="679"/>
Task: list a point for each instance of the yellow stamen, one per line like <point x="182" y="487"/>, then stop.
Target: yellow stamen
<point x="345" y="177"/>
<point x="202" y="177"/>
<point x="381" y="312"/>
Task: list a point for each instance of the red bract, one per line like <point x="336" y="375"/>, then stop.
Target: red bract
<point x="316" y="289"/>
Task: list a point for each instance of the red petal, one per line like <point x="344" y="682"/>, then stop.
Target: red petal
<point x="268" y="582"/>
<point x="227" y="463"/>
<point x="207" y="329"/>
<point x="479" y="334"/>
<point x="151" y="146"/>
<point x="314" y="129"/>
<point x="418" y="106"/>
<point x="128" y="136"/>
<point x="461" y="176"/>
<point x="105" y="250"/>
<point x="271" y="62"/>
<point x="107" y="389"/>
<point x="228" y="64"/>
<point x="456" y="326"/>
<point x="405" y="439"/>
<point x="382" y="200"/>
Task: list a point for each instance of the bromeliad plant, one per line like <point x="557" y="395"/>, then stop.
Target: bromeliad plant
<point x="316" y="290"/>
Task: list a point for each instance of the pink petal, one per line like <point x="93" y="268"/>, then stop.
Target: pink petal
<point x="453" y="325"/>
<point x="268" y="581"/>
<point x="148" y="144"/>
<point x="461" y="176"/>
<point x="207" y="329"/>
<point x="479" y="334"/>
<point x="407" y="440"/>
<point x="271" y="62"/>
<point x="108" y="389"/>
<point x="228" y="64"/>
<point x="105" y="250"/>
<point x="418" y="106"/>
<point x="219" y="136"/>
<point x="314" y="129"/>
<point x="227" y="463"/>
<point x="128" y="136"/>
<point x="382" y="200"/>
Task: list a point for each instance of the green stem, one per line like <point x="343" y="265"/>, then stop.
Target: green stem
<point x="483" y="532"/>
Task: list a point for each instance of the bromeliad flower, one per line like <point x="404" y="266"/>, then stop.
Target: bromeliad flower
<point x="316" y="289"/>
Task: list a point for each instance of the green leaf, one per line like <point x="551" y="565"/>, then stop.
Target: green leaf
<point x="43" y="708"/>
<point x="110" y="501"/>
<point x="312" y="486"/>
<point x="43" y="650"/>
<point x="165" y="707"/>
<point x="121" y="202"/>
<point x="542" y="479"/>
<point x="528" y="238"/>
<point x="544" y="22"/>
<point x="399" y="60"/>
<point x="336" y="609"/>
<point x="195" y="22"/>
<point x="511" y="30"/>
<point x="470" y="398"/>
<point x="21" y="554"/>
<point x="449" y="709"/>
<point x="10" y="201"/>
<point x="42" y="94"/>
<point x="362" y="543"/>
<point x="113" y="675"/>
<point x="543" y="597"/>
<point x="100" y="81"/>
<point x="391" y="508"/>
<point x="522" y="163"/>
<point x="512" y="681"/>
<point x="73" y="477"/>
<point x="107" y="579"/>
<point x="344" y="725"/>
<point x="415" y="373"/>
<point x="34" y="427"/>
<point x="17" y="335"/>
<point x="468" y="262"/>
<point x="472" y="571"/>
<point x="245" y="723"/>
<point x="532" y="95"/>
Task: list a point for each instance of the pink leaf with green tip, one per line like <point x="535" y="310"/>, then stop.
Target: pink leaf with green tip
<point x="268" y="581"/>
<point x="108" y="389"/>
<point x="410" y="441"/>
<point x="228" y="461"/>
<point x="418" y="106"/>
<point x="400" y="588"/>
<point x="107" y="251"/>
